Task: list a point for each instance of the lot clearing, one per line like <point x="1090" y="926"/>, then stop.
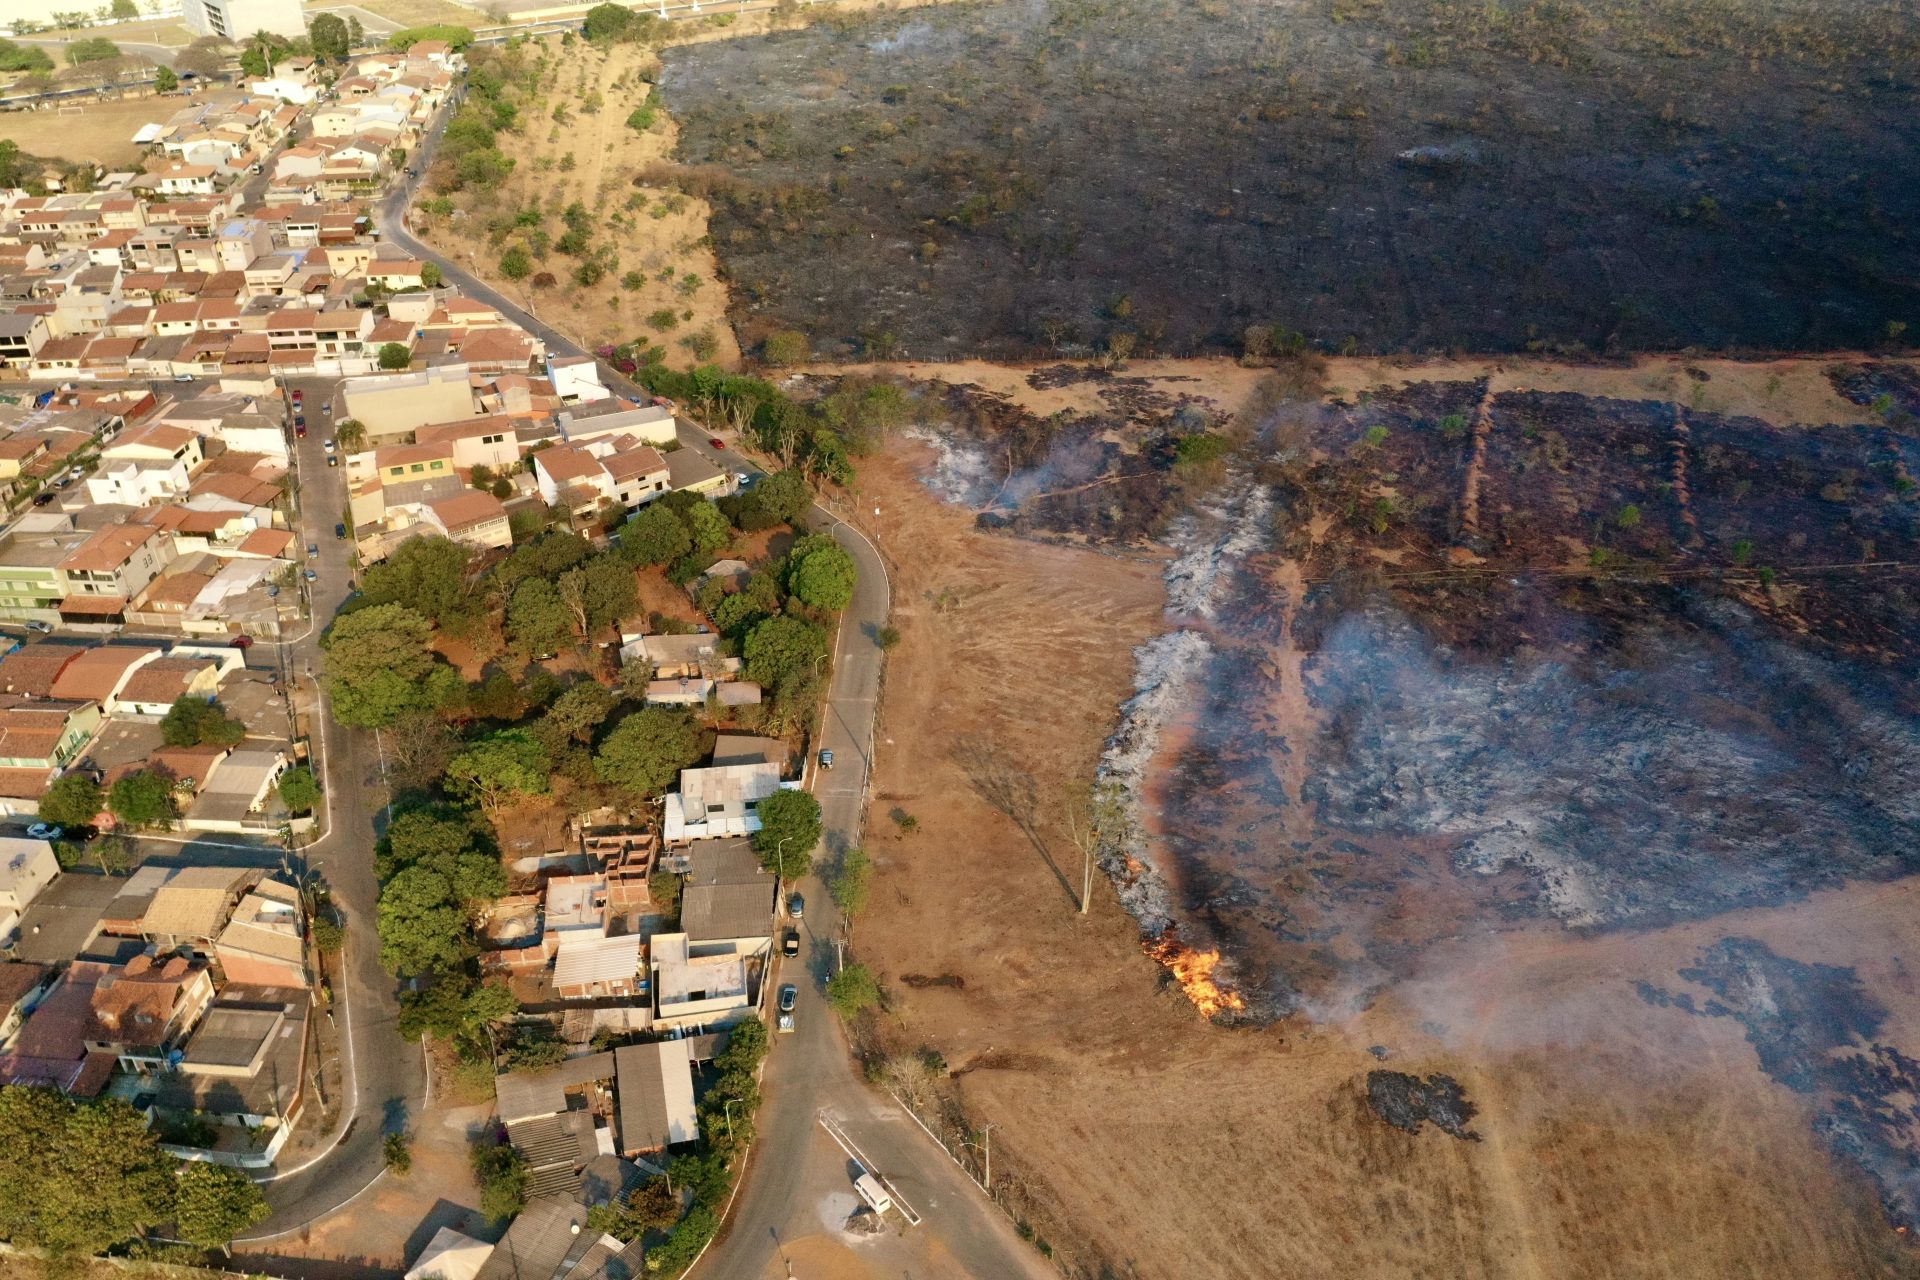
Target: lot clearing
<point x="1635" y="1108"/>
<point x="98" y="131"/>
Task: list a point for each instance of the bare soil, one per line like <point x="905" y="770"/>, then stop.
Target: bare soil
<point x="1007" y="180"/>
<point x="102" y="132"/>
<point x="1636" y="1111"/>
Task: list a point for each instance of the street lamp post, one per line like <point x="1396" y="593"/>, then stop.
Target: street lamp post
<point x="985" y="1148"/>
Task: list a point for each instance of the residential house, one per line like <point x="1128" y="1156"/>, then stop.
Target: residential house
<point x="44" y="733"/>
<point x="114" y="565"/>
<point x="594" y="419"/>
<point x="145" y="1008"/>
<point x="22" y="984"/>
<point x="718" y="801"/>
<point x="21" y="337"/>
<point x="393" y="404"/>
<point x="192" y="905"/>
<point x="474" y="518"/>
<point x="26" y="867"/>
<point x="697" y="989"/>
<point x="264" y="941"/>
<point x="153" y="687"/>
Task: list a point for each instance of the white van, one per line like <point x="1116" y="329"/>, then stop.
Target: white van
<point x="873" y="1193"/>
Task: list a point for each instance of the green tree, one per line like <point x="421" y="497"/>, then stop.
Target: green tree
<point x="785" y="495"/>
<point x="786" y="347"/>
<point x="81" y="1177"/>
<point x="456" y="1009"/>
<point x="214" y="1203"/>
<point x="396" y="1152"/>
<point x="853" y="989"/>
<point x="165" y="80"/>
<point x="124" y="10"/>
<point x="428" y="574"/>
<point x="646" y="751"/>
<point x="395" y="355"/>
<point x="430" y="275"/>
<point x="708" y="528"/>
<point x="537" y="618"/>
<point x="143" y="799"/>
<point x="516" y="264"/>
<point x="499" y="769"/>
<point x="782" y="645"/>
<point x="1200" y="450"/>
<point x="423" y="924"/>
<point x="608" y="21"/>
<point x="574" y="716"/>
<point x="298" y="790"/>
<point x="504" y="1182"/>
<point x="852" y="882"/>
<point x="655" y="536"/>
<point x="193" y="722"/>
<point x="72" y="801"/>
<point x="377" y="663"/>
<point x="254" y="62"/>
<point x="356" y="34"/>
<point x="789" y="829"/>
<point x="823" y="578"/>
<point x="351" y="433"/>
<point x="95" y="49"/>
<point x="459" y="39"/>
<point x="23" y="57"/>
<point x="332" y="41"/>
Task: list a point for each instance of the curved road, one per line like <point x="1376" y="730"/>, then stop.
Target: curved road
<point x="387" y="1076"/>
<point x="809" y="1073"/>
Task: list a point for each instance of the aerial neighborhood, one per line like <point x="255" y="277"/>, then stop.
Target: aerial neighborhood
<point x="360" y="652"/>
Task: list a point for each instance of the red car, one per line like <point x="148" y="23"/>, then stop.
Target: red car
<point x="300" y="430"/>
<point x="717" y="443"/>
<point x="296" y="398"/>
<point x="243" y="642"/>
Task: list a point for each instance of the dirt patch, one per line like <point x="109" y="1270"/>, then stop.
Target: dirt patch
<point x="101" y="131"/>
<point x="1614" y="175"/>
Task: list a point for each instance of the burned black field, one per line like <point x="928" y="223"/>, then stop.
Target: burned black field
<point x="1378" y="175"/>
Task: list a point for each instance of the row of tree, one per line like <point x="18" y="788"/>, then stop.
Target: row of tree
<point x="84" y="1177"/>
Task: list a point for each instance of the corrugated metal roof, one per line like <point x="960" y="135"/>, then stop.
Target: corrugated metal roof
<point x="712" y="912"/>
<point x="590" y="960"/>
<point x="655" y="1085"/>
<point x="522" y="1095"/>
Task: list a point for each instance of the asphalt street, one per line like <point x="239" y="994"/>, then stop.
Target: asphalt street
<point x="387" y="1075"/>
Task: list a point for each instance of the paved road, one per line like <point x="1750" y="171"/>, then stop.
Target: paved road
<point x="387" y="1074"/>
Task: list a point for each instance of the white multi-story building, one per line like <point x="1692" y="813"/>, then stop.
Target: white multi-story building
<point x="237" y="19"/>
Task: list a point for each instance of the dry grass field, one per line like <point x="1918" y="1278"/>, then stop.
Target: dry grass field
<point x="414" y="13"/>
<point x="1614" y="1137"/>
<point x="102" y="131"/>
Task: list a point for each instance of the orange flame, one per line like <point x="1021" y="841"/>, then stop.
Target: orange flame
<point x="1194" y="970"/>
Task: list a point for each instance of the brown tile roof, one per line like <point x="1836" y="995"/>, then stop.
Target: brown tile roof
<point x="163" y="680"/>
<point x="132" y="1004"/>
<point x="108" y="548"/>
<point x="25" y="784"/>
<point x="33" y="668"/>
<point x="465" y="510"/>
<point x="271" y="543"/>
<point x="17" y="979"/>
<point x="189" y="764"/>
<point x="94" y="674"/>
<point x="568" y="462"/>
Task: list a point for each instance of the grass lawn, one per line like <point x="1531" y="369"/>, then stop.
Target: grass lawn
<point x="102" y="132"/>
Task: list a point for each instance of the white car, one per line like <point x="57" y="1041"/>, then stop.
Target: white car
<point x="45" y="831"/>
<point x="329" y="446"/>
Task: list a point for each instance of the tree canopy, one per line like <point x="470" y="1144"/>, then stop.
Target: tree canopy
<point x="92" y="49"/>
<point x="789" y="829"/>
<point x="499" y="769"/>
<point x="193" y="722"/>
<point x="459" y="39"/>
<point x="73" y="800"/>
<point x="646" y="751"/>
<point x="81" y="1176"/>
<point x="213" y="1203"/>
<point x="331" y="40"/>
<point x="428" y="574"/>
<point x="822" y="575"/>
<point x="143" y="799"/>
<point x="377" y="665"/>
<point x="537" y="618"/>
<point x="395" y="355"/>
<point x="434" y="875"/>
<point x="778" y="646"/>
<point x="298" y="790"/>
<point x="654" y="536"/>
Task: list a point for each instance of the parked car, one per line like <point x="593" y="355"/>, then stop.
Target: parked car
<point x="243" y="643"/>
<point x="789" y="996"/>
<point x="872" y="1192"/>
<point x="298" y="397"/>
<point x="183" y="377"/>
<point x="42" y="499"/>
<point x="313" y="551"/>
<point x="333" y="459"/>
<point x="327" y="408"/>
<point x="45" y="831"/>
<point x="796" y="906"/>
<point x="790" y="945"/>
<point x="784" y="1023"/>
<point x="312" y="576"/>
<point x="743" y="480"/>
<point x="329" y="444"/>
<point x="300" y="430"/>
<point x="826" y="759"/>
<point x="39" y="628"/>
<point x="340" y="531"/>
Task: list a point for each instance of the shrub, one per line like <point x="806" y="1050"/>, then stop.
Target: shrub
<point x="1199" y="450"/>
<point x="786" y="347"/>
<point x="853" y="989"/>
<point x="665" y="319"/>
<point x="397" y="1151"/>
<point x="642" y="117"/>
<point x="395" y="355"/>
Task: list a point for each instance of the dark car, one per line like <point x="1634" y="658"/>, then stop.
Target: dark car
<point x="340" y="531"/>
<point x="42" y="499"/>
<point x="790" y="945"/>
<point x="826" y="759"/>
<point x="789" y="996"/>
<point x="300" y="430"/>
<point x="333" y="460"/>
